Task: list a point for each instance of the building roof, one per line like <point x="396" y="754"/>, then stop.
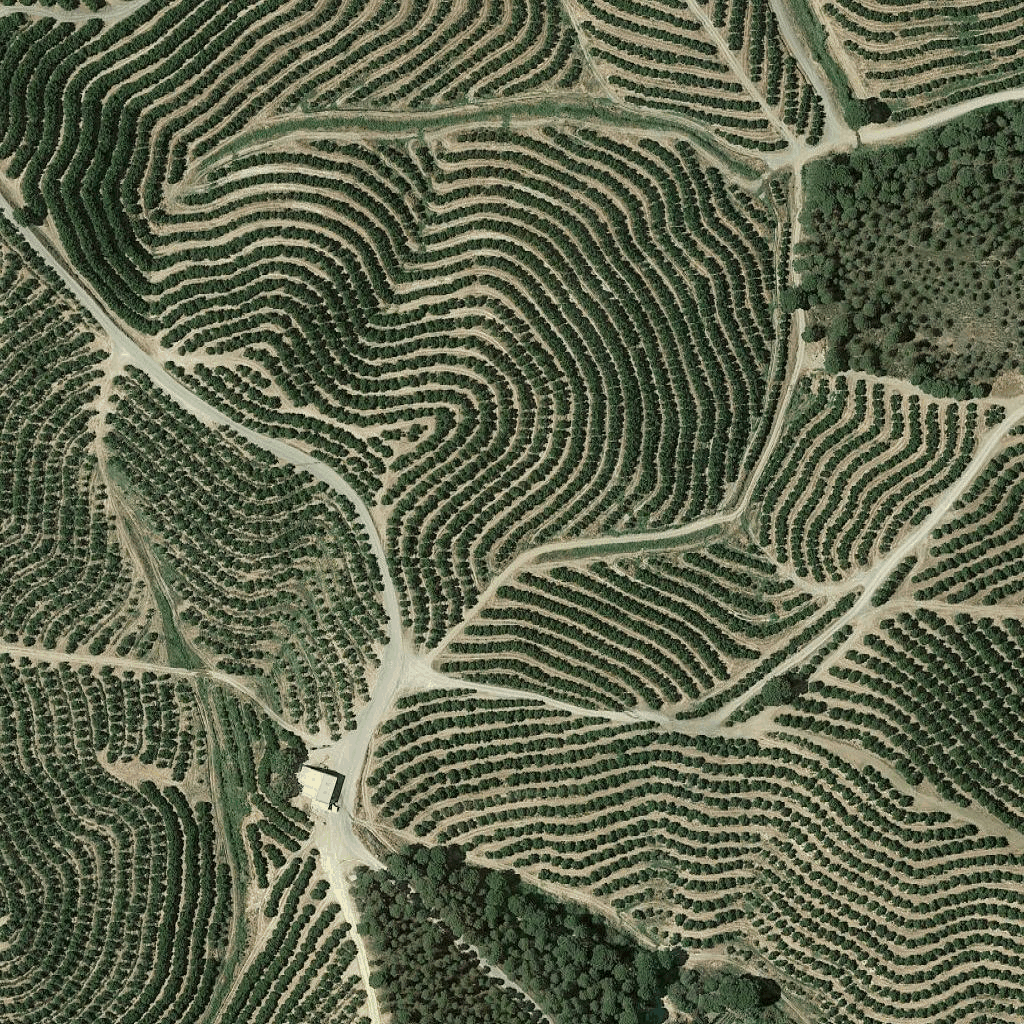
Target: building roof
<point x="325" y="791"/>
<point x="320" y="786"/>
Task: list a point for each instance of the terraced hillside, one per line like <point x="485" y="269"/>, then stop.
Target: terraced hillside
<point x="976" y="554"/>
<point x="267" y="570"/>
<point x="454" y="399"/>
<point x="66" y="582"/>
<point x="145" y="805"/>
<point x="407" y="310"/>
<point x="722" y="64"/>
<point x="112" y="842"/>
<point x="879" y="691"/>
<point x="777" y="848"/>
<point x="619" y="633"/>
<point x="471" y="368"/>
<point x="918" y="57"/>
<point x="858" y="464"/>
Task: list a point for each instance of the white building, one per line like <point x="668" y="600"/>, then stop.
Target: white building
<point x="320" y="786"/>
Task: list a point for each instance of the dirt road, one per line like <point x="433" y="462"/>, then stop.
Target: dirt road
<point x="111" y="14"/>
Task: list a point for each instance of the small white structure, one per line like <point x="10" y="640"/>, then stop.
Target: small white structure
<point x="320" y="786"/>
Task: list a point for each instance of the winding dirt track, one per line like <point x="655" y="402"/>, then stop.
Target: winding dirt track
<point x="884" y="134"/>
<point x="111" y="14"/>
<point x="349" y="756"/>
<point x="582" y="547"/>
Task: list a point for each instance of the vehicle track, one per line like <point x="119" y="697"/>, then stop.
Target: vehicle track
<point x="579" y="548"/>
<point x="126" y="351"/>
<point x="837" y="133"/>
<point x="740" y="73"/>
<point x="111" y="14"/>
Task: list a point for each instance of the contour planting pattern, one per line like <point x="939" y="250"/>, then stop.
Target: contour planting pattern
<point x="268" y="571"/>
<point x="935" y="696"/>
<point x="66" y="581"/>
<point x="656" y="631"/>
<point x="977" y="556"/>
<point x="722" y="64"/>
<point x="129" y="867"/>
<point x="127" y="875"/>
<point x="431" y="53"/>
<point x="508" y="324"/>
<point x="302" y="973"/>
<point x="65" y="5"/>
<point x="447" y="397"/>
<point x="919" y="56"/>
<point x="846" y="884"/>
<point x="385" y="296"/>
<point x="858" y="465"/>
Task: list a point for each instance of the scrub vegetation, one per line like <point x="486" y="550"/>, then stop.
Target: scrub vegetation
<point x="913" y="265"/>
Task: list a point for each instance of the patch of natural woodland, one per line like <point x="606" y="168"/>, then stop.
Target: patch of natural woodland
<point x="912" y="264"/>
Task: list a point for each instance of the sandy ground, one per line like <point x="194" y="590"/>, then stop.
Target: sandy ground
<point x="111" y="14"/>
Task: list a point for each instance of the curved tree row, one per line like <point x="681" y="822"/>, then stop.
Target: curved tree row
<point x="268" y="571"/>
<point x="405" y="310"/>
<point x="938" y="698"/>
<point x="461" y="356"/>
<point x="67" y="583"/>
<point x="884" y="909"/>
<point x="922" y="56"/>
<point x="854" y="470"/>
<point x="116" y="903"/>
<point x="671" y="59"/>
<point x="656" y="631"/>
<point x="978" y="555"/>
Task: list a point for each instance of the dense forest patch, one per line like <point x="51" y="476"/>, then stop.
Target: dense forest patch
<point x="913" y="254"/>
<point x="573" y="963"/>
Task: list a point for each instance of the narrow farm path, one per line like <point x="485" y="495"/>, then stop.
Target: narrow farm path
<point x="838" y="51"/>
<point x="38" y="653"/>
<point x="572" y="12"/>
<point x="341" y="849"/>
<point x="212" y="728"/>
<point x="51" y="656"/>
<point x="760" y="728"/>
<point x="543" y="108"/>
<point x="582" y="548"/>
<point x="837" y="132"/>
<point x="422" y="677"/>
<point x="337" y="873"/>
<point x="535" y="110"/>
<point x="113" y="12"/>
<point x="340" y="846"/>
<point x="579" y="549"/>
<point x="127" y="352"/>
